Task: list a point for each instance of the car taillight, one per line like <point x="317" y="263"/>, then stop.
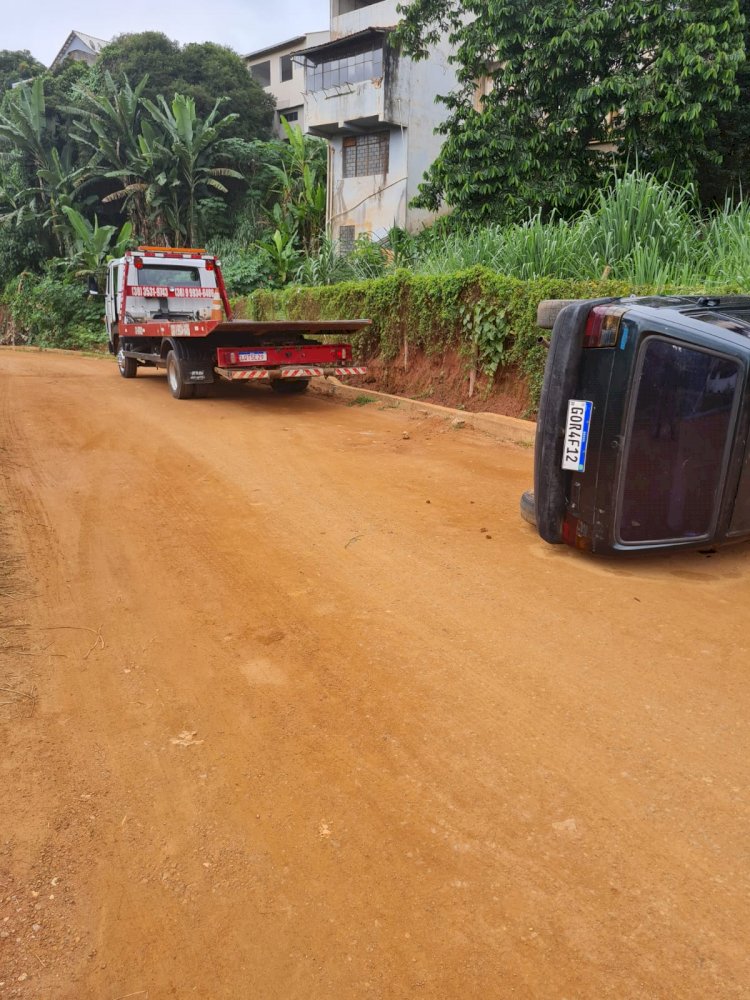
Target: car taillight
<point x="603" y="326"/>
<point x="576" y="533"/>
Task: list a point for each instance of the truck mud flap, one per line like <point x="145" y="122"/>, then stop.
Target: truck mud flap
<point x="194" y="368"/>
<point x="560" y="378"/>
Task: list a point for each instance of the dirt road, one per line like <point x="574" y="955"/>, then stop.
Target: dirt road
<point x="298" y="707"/>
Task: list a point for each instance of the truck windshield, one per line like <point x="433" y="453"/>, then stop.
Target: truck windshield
<point x="679" y="424"/>
<point x="170" y="277"/>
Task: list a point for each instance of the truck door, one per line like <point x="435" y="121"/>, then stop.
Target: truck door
<point x="110" y="299"/>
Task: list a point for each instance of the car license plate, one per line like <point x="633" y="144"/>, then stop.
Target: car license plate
<point x="253" y="356"/>
<point x="577" y="434"/>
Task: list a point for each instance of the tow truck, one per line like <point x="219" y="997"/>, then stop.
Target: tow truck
<point x="167" y="307"/>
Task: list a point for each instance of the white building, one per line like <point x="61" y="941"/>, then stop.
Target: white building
<point x="281" y="76"/>
<point x="79" y="47"/>
<point x="377" y="110"/>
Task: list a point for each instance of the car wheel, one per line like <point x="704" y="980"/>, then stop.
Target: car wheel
<point x="528" y="507"/>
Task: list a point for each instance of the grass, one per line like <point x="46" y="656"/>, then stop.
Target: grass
<point x="361" y="401"/>
<point x="638" y="230"/>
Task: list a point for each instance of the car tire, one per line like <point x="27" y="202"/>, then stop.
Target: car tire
<point x="528" y="507"/>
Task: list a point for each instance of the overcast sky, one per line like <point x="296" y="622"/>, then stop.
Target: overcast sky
<point x="43" y="25"/>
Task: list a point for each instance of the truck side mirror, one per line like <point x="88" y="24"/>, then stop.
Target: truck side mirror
<point x="93" y="285"/>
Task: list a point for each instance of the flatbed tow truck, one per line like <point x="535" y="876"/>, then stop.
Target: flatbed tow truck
<point x="167" y="307"/>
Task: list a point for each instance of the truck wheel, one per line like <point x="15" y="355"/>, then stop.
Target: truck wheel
<point x="128" y="366"/>
<point x="177" y="386"/>
<point x="290" y="385"/>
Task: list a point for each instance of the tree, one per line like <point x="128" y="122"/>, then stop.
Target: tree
<point x="725" y="172"/>
<point x="187" y="151"/>
<point x="299" y="187"/>
<point x="203" y="71"/>
<point x="575" y="85"/>
<point x="110" y="128"/>
<point x="93" y="246"/>
<point x="17" y="66"/>
<point x="43" y="180"/>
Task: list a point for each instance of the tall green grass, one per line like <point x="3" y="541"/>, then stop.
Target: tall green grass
<point x="638" y="230"/>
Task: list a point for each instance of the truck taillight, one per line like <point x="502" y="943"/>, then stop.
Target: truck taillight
<point x="209" y="265"/>
<point x="138" y="263"/>
<point x="602" y="326"/>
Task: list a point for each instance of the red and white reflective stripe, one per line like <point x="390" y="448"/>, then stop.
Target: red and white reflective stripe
<point x="300" y="372"/>
<point x="248" y="373"/>
<point x="351" y="371"/>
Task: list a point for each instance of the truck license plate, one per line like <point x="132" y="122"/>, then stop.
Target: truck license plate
<point x="577" y="434"/>
<point x="253" y="356"/>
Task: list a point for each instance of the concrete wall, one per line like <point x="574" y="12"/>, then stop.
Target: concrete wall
<point x="288" y="93"/>
<point x="375" y="15"/>
<point x="371" y="204"/>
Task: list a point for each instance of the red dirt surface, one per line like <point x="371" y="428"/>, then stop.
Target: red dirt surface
<point x="294" y="705"/>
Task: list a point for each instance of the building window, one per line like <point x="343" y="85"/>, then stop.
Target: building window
<point x="352" y="65"/>
<point x="346" y="239"/>
<point x="286" y="68"/>
<point x="291" y="116"/>
<point x="262" y="73"/>
<point x="366" y="154"/>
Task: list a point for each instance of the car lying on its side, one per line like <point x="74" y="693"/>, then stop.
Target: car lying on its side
<point x="642" y="433"/>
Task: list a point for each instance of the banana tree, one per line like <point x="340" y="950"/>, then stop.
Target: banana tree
<point x="44" y="180"/>
<point x="189" y="150"/>
<point x="113" y="130"/>
<point x="300" y="186"/>
<point x="94" y="245"/>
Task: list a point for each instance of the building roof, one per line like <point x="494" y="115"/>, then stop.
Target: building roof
<point x="91" y="42"/>
<point x="344" y="40"/>
<point x="270" y="49"/>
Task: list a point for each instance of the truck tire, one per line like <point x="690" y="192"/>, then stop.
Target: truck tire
<point x="177" y="386"/>
<point x="290" y="386"/>
<point x="128" y="366"/>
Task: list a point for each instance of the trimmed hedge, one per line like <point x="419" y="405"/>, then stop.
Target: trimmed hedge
<point x="480" y="313"/>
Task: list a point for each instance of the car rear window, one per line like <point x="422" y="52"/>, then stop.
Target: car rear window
<point x="678" y="429"/>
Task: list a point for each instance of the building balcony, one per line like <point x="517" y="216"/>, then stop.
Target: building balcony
<point x="349" y="85"/>
<point x="349" y="108"/>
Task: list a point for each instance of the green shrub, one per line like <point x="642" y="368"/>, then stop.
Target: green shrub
<point x="486" y="316"/>
<point x="244" y="268"/>
<point x="49" y="311"/>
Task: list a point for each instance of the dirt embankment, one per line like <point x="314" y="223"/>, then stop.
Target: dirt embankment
<point x="447" y="379"/>
<point x="296" y="706"/>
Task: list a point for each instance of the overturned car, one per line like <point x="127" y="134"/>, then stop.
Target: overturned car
<point x="642" y="433"/>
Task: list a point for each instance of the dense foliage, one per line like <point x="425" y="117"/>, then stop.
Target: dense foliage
<point x="572" y="87"/>
<point x="202" y="71"/>
<point x="16" y="66"/>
